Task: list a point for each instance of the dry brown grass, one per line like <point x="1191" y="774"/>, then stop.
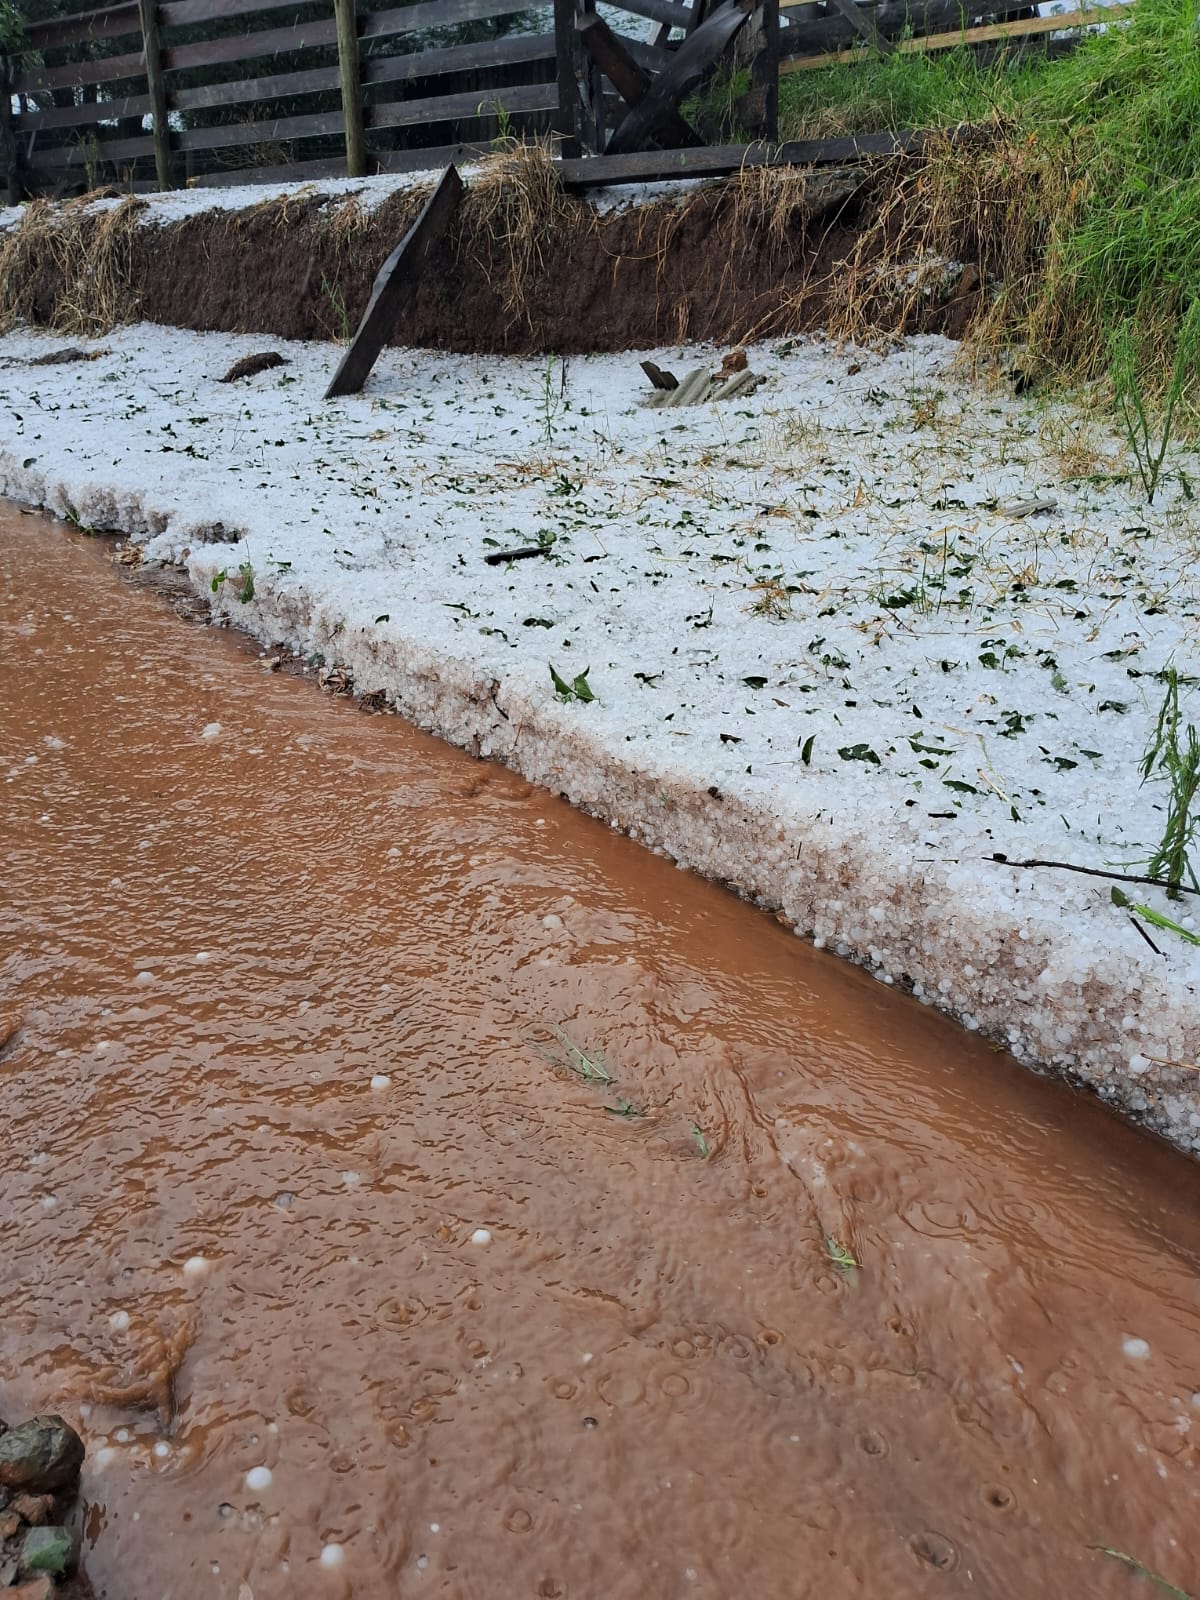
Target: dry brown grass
<point x="515" y="215"/>
<point x="79" y="256"/>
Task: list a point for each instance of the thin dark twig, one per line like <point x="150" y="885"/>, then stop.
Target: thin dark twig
<point x="1136" y="925"/>
<point x="523" y="554"/>
<point x="1093" y="872"/>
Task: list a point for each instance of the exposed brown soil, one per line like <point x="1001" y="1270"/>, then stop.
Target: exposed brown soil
<point x="732" y="263"/>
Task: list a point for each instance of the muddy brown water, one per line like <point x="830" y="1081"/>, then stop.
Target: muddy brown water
<point x="488" y="1338"/>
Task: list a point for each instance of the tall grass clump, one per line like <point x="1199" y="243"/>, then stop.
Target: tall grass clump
<point x="1080" y="195"/>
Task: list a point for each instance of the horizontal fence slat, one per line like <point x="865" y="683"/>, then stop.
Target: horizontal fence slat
<point x="72" y="157"/>
<point x="432" y="160"/>
<point x="453" y="107"/>
<point x="233" y="93"/>
<point x="724" y="160"/>
<point x="296" y="171"/>
<point x="250" y="46"/>
<point x="83" y="26"/>
<point x="434" y="14"/>
<point x="179" y="13"/>
<point x="515" y="50"/>
<point x="73" y="116"/>
<point x="668" y="12"/>
<point x="1027" y="28"/>
<point x="278" y="130"/>
<point x="74" y="73"/>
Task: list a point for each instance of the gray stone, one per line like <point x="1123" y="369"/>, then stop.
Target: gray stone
<point x="47" y="1550"/>
<point x="44" y="1453"/>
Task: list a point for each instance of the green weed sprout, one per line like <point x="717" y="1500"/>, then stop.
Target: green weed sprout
<point x="1148" y="454"/>
<point x="1174" y="755"/>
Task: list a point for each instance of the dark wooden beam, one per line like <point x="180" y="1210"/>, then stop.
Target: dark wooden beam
<point x="765" y="71"/>
<point x="393" y="282"/>
<point x="631" y="81"/>
<point x="699" y="52"/>
<point x="567" y="125"/>
<point x="720" y="161"/>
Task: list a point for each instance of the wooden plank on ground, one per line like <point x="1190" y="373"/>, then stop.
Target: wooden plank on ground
<point x="393" y="281"/>
<point x="699" y="51"/>
<point x="1022" y="29"/>
<point x="631" y="81"/>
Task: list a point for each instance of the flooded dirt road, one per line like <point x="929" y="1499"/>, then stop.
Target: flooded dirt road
<point x="352" y="1291"/>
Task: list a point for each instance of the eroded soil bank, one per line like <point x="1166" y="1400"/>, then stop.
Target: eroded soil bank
<point x="520" y="273"/>
<point x="351" y="1290"/>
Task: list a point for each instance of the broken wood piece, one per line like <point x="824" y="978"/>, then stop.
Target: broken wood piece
<point x="249" y="365"/>
<point x="699" y="387"/>
<point x="744" y="382"/>
<point x="659" y="378"/>
<point x="58" y="358"/>
<point x="496" y="557"/>
<point x="393" y="281"/>
<point x="698" y="52"/>
<point x="631" y="80"/>
<point x="1028" y="508"/>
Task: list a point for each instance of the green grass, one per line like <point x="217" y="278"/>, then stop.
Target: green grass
<point x="1092" y="178"/>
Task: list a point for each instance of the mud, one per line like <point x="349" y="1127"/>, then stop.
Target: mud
<point x="714" y="268"/>
<point x="353" y="1290"/>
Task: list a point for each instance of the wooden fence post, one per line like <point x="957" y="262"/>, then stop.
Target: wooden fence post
<point x="765" y="72"/>
<point x="156" y="83"/>
<point x="352" y="109"/>
<point x="9" y="182"/>
<point x="565" y="57"/>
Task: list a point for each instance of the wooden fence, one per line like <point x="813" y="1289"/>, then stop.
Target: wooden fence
<point x="153" y="95"/>
<point x="130" y="93"/>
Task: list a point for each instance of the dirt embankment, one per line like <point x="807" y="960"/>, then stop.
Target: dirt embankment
<point x="526" y="268"/>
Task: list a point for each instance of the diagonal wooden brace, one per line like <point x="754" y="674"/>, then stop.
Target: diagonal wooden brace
<point x="394" y="279"/>
<point x="698" y="52"/>
<point x="631" y="81"/>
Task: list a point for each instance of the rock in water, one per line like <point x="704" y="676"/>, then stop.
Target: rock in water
<point x="39" y="1587"/>
<point x="47" y="1550"/>
<point x="40" y="1455"/>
